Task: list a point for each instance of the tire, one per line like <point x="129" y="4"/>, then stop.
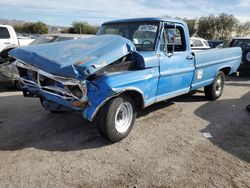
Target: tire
<point x="215" y="90"/>
<point x="246" y="57"/>
<point x="248" y="108"/>
<point x="116" y="118"/>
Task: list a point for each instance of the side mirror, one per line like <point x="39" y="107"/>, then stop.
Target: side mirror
<point x="191" y="43"/>
<point x="169" y="54"/>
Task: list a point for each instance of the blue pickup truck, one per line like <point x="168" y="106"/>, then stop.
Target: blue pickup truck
<point x="130" y="64"/>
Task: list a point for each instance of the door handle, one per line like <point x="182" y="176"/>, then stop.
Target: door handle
<point x="190" y="57"/>
<point x="7" y="43"/>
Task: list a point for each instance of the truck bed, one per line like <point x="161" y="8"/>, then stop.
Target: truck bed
<point x="208" y="62"/>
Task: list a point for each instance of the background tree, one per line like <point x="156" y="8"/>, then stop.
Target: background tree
<point x="34" y="28"/>
<point x="220" y="27"/>
<point x="207" y="27"/>
<point x="243" y="29"/>
<point x="192" y="26"/>
<point x="39" y="28"/>
<point x="225" y="25"/>
<point x="83" y="28"/>
<point x="24" y="28"/>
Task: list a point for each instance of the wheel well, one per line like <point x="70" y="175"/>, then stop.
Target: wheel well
<point x="226" y="70"/>
<point x="136" y="97"/>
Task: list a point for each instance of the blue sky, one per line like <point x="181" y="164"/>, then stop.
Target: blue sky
<point x="64" y="12"/>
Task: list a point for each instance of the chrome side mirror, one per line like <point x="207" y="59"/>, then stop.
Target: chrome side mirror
<point x="169" y="54"/>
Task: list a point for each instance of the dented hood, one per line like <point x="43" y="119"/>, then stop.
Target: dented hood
<point x="74" y="58"/>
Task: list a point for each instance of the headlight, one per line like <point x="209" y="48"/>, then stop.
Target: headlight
<point x="76" y="92"/>
<point x="79" y="91"/>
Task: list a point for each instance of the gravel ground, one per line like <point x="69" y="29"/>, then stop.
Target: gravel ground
<point x="167" y="147"/>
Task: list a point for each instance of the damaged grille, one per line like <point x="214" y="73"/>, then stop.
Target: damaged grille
<point x="55" y="85"/>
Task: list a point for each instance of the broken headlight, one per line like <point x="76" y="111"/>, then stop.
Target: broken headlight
<point x="78" y="91"/>
<point x="66" y="88"/>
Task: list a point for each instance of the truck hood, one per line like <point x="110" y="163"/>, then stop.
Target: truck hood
<point x="75" y="58"/>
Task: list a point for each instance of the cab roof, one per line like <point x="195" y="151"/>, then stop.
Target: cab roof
<point x="145" y="20"/>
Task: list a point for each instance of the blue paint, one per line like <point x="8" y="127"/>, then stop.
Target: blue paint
<point x="158" y="77"/>
<point x="59" y="57"/>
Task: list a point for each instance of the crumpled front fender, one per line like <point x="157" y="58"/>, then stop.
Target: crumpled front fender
<point x="143" y="82"/>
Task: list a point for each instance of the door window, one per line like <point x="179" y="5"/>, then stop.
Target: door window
<point x="173" y="39"/>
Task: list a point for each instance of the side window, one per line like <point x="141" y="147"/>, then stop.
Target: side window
<point x="4" y="33"/>
<point x="174" y="39"/>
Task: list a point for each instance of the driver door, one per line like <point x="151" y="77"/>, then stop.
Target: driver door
<point x="176" y="63"/>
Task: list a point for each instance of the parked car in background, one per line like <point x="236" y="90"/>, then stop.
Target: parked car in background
<point x="220" y="46"/>
<point x="8" y="37"/>
<point x="130" y="64"/>
<point x="244" y="43"/>
<point x="215" y="43"/>
<point x="58" y="37"/>
<point x="198" y="44"/>
<point x="8" y="72"/>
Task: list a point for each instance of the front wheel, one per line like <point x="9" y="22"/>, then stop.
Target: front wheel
<point x="116" y="119"/>
<point x="215" y="90"/>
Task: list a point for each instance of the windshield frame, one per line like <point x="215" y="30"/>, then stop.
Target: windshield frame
<point x="157" y="23"/>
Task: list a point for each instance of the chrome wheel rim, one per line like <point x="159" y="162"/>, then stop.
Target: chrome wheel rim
<point x="219" y="85"/>
<point x="123" y="117"/>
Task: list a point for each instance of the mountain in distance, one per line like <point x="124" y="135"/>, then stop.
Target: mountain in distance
<point x="13" y="22"/>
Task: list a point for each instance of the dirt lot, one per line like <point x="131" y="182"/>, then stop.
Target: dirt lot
<point x="166" y="148"/>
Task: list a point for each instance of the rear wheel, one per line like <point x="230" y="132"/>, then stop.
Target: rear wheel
<point x="215" y="90"/>
<point x="116" y="119"/>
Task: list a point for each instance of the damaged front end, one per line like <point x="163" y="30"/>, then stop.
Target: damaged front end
<point x="68" y="92"/>
<point x="61" y="74"/>
<point x="8" y="71"/>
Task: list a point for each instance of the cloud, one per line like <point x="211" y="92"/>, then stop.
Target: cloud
<point x="244" y="3"/>
<point x="97" y="11"/>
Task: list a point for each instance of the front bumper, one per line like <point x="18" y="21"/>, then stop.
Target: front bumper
<point x="57" y="89"/>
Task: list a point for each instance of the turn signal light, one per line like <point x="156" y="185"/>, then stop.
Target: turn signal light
<point x="78" y="104"/>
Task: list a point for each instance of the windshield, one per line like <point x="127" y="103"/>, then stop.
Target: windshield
<point x="42" y="40"/>
<point x="142" y="34"/>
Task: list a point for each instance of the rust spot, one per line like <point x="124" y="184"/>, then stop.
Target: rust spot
<point x="85" y="60"/>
